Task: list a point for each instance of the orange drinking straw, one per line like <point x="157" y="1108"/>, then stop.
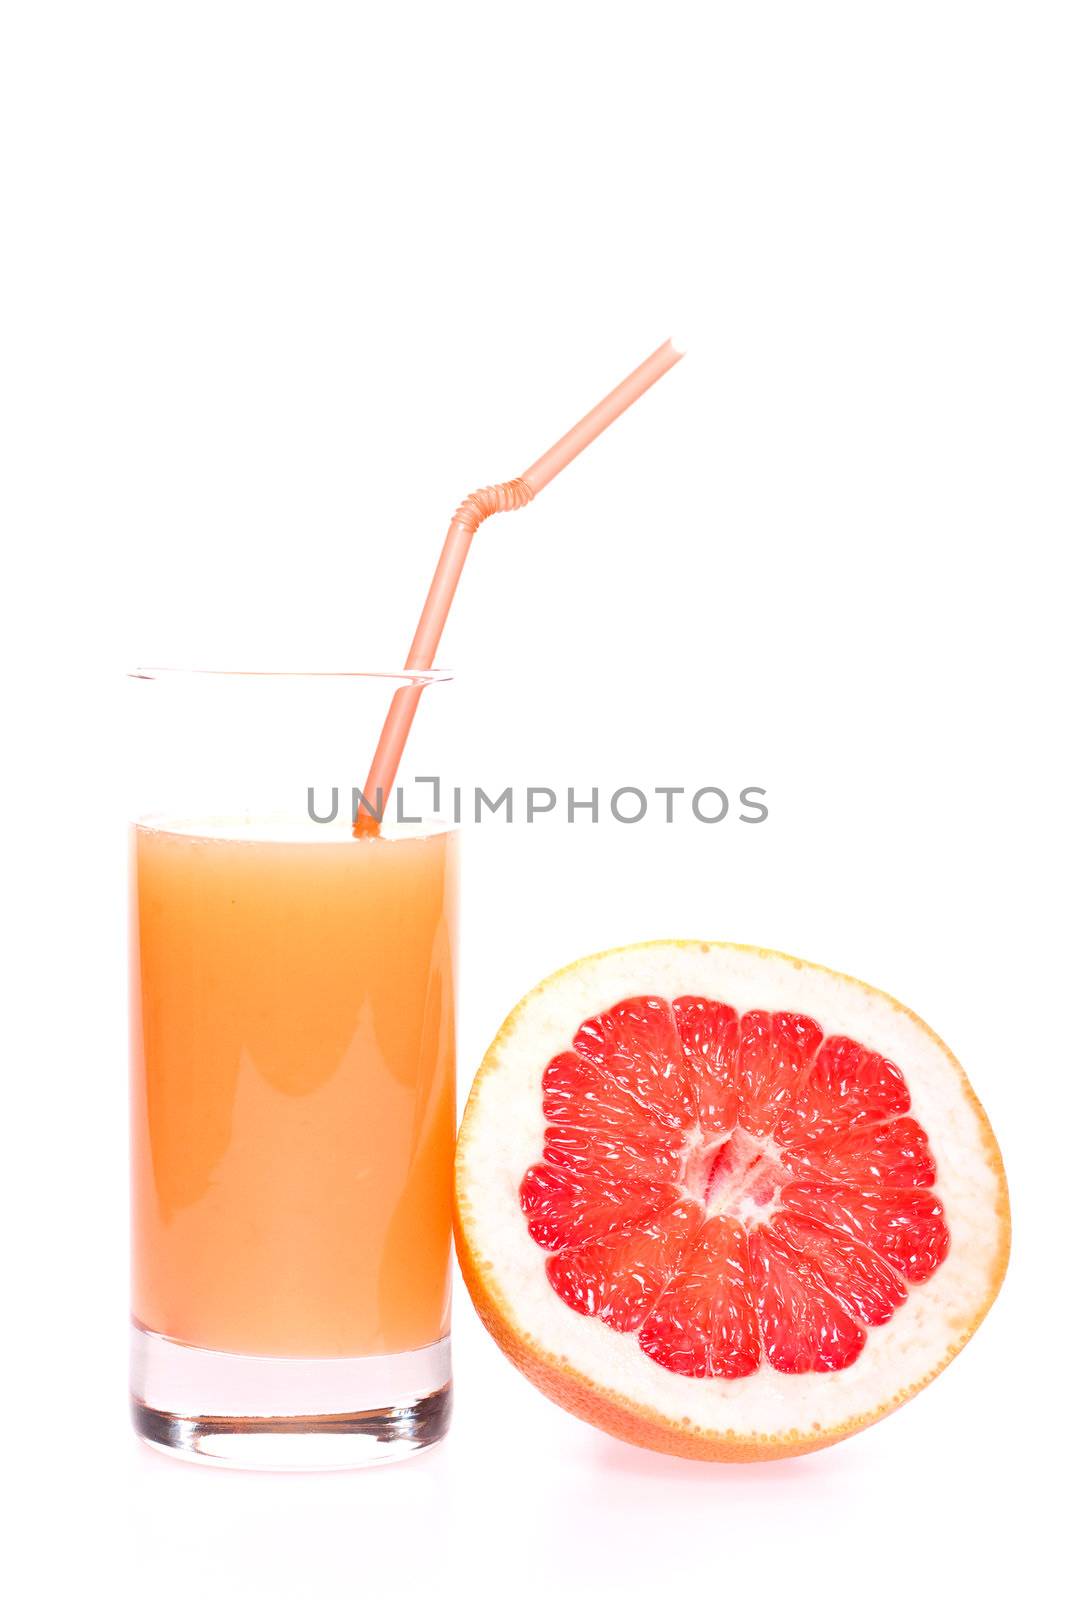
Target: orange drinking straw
<point x="471" y="514"/>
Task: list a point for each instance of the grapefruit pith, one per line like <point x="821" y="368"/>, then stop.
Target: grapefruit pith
<point x="724" y="1203"/>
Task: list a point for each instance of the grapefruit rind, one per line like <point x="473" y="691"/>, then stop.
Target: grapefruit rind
<point x="602" y="1375"/>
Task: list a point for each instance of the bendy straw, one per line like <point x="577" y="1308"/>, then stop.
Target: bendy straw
<point x="468" y="518"/>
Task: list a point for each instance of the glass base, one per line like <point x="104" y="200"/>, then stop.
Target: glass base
<point x="285" y="1413"/>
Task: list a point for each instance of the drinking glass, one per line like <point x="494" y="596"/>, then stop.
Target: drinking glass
<point x="292" y="1072"/>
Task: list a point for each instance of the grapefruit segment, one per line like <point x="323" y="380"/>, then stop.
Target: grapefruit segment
<point x="894" y="1154"/>
<point x="709" y="1036"/>
<point x="805" y="1327"/>
<point x="613" y="1157"/>
<point x="621" y="1278"/>
<point x="906" y="1227"/>
<point x="576" y="1093"/>
<point x="847" y="1087"/>
<point x="636" y="1047"/>
<point x="773" y="1057"/>
<point x="868" y="1287"/>
<point x="564" y="1209"/>
<point x="704" y="1324"/>
<point x="696" y="1185"/>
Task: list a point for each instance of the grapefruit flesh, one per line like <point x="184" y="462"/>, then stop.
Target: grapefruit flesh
<point x="731" y="1188"/>
<point x="725" y="1203"/>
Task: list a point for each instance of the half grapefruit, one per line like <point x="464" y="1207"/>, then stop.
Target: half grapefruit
<point x="724" y="1203"/>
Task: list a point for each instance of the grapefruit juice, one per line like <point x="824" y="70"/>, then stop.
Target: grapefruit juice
<point x="293" y="1091"/>
<point x="292" y="1119"/>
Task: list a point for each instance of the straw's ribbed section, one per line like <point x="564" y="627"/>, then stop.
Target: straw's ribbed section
<point x="467" y="520"/>
<point x="498" y="497"/>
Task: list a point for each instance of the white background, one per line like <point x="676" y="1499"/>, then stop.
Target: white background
<point x="283" y="283"/>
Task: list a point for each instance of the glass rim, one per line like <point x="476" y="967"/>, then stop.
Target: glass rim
<point x="403" y="675"/>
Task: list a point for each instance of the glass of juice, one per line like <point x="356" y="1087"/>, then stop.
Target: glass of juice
<point x="292" y="1073"/>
